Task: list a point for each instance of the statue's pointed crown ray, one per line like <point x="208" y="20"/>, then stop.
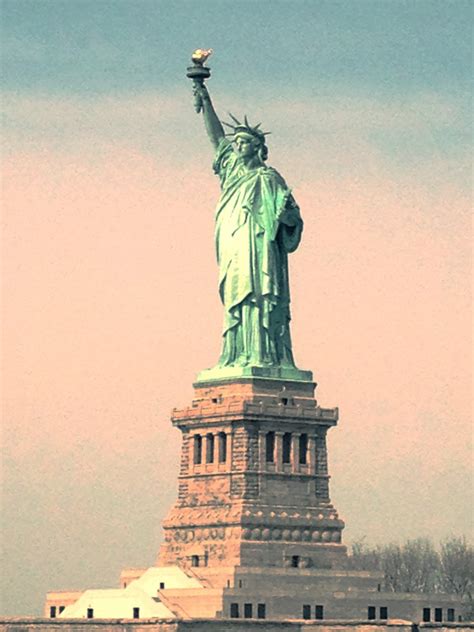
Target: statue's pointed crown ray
<point x="237" y="127"/>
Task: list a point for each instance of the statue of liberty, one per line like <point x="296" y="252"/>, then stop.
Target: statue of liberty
<point x="258" y="224"/>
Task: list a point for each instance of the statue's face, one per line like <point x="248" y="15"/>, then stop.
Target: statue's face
<point x="245" y="147"/>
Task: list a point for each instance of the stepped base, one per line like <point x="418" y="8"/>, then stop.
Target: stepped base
<point x="219" y="373"/>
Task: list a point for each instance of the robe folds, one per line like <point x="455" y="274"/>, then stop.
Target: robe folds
<point x="257" y="224"/>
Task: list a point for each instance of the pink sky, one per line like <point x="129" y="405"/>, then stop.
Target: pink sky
<point x="111" y="309"/>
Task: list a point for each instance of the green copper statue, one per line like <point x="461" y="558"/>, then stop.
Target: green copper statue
<point x="257" y="224"/>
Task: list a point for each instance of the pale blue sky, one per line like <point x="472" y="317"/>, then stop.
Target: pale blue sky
<point x="86" y="46"/>
<point x="360" y="57"/>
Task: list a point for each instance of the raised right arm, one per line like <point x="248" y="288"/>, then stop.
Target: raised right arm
<point x="214" y="128"/>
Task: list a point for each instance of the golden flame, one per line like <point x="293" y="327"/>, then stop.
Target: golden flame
<point x="200" y="55"/>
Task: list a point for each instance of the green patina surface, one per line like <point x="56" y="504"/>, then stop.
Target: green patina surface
<point x="258" y="224"/>
<point x="281" y="373"/>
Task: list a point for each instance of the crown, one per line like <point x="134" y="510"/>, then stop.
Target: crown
<point x="245" y="127"/>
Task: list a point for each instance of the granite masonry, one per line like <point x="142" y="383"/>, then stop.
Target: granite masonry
<point x="253" y="536"/>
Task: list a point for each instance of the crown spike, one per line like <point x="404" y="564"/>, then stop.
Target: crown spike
<point x="245" y="127"/>
<point x="234" y="119"/>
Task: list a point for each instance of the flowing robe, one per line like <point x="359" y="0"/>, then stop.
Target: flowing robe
<point x="257" y="224"/>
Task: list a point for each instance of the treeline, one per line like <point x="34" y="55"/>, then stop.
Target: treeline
<point x="420" y="566"/>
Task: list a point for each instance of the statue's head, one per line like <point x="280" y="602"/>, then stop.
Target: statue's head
<point x="249" y="140"/>
<point x="249" y="145"/>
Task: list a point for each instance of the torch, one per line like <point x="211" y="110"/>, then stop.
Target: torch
<point x="198" y="73"/>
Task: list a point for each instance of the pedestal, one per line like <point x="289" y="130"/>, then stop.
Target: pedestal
<point x="253" y="485"/>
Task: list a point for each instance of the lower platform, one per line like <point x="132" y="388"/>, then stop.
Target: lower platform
<point x="280" y="596"/>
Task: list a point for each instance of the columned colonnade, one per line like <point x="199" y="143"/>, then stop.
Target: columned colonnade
<point x="278" y="451"/>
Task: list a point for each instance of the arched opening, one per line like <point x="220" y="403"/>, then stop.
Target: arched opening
<point x="286" y="447"/>
<point x="222" y="447"/>
<point x="197" y="449"/>
<point x="270" y="447"/>
<point x="210" y="448"/>
<point x="303" y="449"/>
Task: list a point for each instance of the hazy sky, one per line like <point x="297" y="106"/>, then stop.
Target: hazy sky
<point x="110" y="298"/>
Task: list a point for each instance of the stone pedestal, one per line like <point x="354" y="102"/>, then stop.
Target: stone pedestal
<point x="254" y="483"/>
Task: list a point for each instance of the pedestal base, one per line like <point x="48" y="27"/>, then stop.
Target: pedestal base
<point x="219" y="373"/>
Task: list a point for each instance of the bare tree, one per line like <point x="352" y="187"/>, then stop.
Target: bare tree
<point x="457" y="570"/>
<point x="416" y="566"/>
<point x="391" y="563"/>
<point x="457" y="566"/>
<point x="364" y="557"/>
<point x="419" y="566"/>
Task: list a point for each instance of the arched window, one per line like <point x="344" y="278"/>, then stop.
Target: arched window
<point x="210" y="448"/>
<point x="222" y="447"/>
<point x="270" y="447"/>
<point x="303" y="449"/>
<point x="197" y="449"/>
<point x="287" y="447"/>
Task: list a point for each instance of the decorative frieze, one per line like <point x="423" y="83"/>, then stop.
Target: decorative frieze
<point x="255" y="533"/>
